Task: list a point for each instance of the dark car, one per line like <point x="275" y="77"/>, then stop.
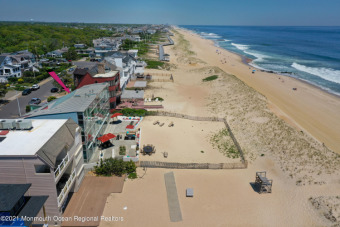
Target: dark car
<point x="26" y="91"/>
<point x="54" y="90"/>
<point x="34" y="101"/>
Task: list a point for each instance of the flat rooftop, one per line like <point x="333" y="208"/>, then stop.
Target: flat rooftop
<point x="28" y="142"/>
<point x="131" y="94"/>
<point x="106" y="75"/>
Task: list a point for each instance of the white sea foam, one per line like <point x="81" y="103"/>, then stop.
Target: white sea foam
<point x="325" y="73"/>
<point x="240" y="46"/>
<point x="210" y="35"/>
<point x="245" y="48"/>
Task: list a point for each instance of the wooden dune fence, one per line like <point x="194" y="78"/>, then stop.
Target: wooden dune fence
<point x="243" y="163"/>
<point x="176" y="165"/>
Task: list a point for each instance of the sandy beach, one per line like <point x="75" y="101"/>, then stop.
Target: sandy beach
<point x="309" y="108"/>
<point x="281" y="131"/>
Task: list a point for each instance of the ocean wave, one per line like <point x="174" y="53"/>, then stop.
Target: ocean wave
<point x="240" y="46"/>
<point x="325" y="73"/>
<point x="245" y="48"/>
<point x="210" y="35"/>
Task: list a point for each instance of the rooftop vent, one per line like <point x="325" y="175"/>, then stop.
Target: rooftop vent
<point x="7" y="124"/>
<point x="24" y="124"/>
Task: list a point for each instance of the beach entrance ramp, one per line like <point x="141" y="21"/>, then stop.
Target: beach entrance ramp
<point x="173" y="202"/>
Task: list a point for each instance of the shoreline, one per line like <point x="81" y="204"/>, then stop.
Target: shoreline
<point x="246" y="60"/>
<point x="307" y="108"/>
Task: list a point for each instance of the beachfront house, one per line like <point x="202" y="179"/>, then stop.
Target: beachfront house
<point x="88" y="106"/>
<point x="126" y="63"/>
<point x="94" y="72"/>
<point x="8" y="69"/>
<point x="53" y="164"/>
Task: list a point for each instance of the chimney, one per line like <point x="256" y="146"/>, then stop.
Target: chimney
<point x="101" y="68"/>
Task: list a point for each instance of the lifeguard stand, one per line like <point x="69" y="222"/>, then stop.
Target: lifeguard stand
<point x="264" y="185"/>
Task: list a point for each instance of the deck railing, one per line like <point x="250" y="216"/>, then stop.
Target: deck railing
<point x="66" y="188"/>
<point x="61" y="166"/>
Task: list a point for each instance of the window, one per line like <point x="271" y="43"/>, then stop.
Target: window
<point x="42" y="169"/>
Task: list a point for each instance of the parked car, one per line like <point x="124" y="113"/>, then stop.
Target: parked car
<point x="35" y="87"/>
<point x="71" y="69"/>
<point x="27" y="91"/>
<point x="35" y="101"/>
<point x="54" y="90"/>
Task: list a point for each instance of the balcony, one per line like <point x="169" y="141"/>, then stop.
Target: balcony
<point x="66" y="189"/>
<point x="61" y="167"/>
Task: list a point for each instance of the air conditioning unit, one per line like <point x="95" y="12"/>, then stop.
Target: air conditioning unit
<point x="24" y="124"/>
<point x="7" y="124"/>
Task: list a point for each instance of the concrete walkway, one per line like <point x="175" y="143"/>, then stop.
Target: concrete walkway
<point x="173" y="202"/>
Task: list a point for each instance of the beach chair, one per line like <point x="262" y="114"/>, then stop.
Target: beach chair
<point x="149" y="100"/>
<point x="161" y="124"/>
<point x="171" y="124"/>
<point x="145" y="100"/>
<point x="156" y="99"/>
<point x="156" y="122"/>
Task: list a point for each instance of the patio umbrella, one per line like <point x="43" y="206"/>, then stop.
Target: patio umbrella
<point x="106" y="137"/>
<point x="116" y="115"/>
<point x="130" y="127"/>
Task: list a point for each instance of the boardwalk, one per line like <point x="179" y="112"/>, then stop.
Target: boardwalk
<point x="173" y="202"/>
<point x="90" y="200"/>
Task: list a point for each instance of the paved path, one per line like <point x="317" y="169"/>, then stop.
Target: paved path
<point x="173" y="202"/>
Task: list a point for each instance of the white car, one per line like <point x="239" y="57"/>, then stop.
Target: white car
<point x="35" y="87"/>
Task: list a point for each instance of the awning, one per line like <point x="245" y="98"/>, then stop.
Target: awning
<point x="106" y="137"/>
<point x="116" y="115"/>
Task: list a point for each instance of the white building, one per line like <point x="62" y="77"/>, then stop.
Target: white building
<point x="126" y="64"/>
<point x="45" y="153"/>
<point x="8" y="69"/>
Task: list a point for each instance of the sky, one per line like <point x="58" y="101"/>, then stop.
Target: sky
<point x="176" y="12"/>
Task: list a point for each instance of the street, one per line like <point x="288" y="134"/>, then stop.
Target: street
<point x="11" y="111"/>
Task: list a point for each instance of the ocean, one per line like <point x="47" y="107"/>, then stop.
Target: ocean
<point x="311" y="54"/>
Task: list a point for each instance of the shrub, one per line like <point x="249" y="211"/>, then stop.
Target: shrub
<point x="122" y="150"/>
<point x="130" y="167"/>
<point x="132" y="176"/>
<point x="133" y="112"/>
<point x="159" y="99"/>
<point x="28" y="109"/>
<point x="153" y="64"/>
<point x="12" y="79"/>
<point x="20" y="80"/>
<point x="51" y="98"/>
<point x="210" y="78"/>
<point x="112" y="166"/>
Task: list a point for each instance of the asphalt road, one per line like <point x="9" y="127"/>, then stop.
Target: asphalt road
<point x="11" y="110"/>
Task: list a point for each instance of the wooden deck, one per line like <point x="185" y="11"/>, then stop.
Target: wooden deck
<point x="90" y="200"/>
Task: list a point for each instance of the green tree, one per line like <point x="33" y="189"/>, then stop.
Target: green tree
<point x="3" y="90"/>
<point x="71" y="54"/>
